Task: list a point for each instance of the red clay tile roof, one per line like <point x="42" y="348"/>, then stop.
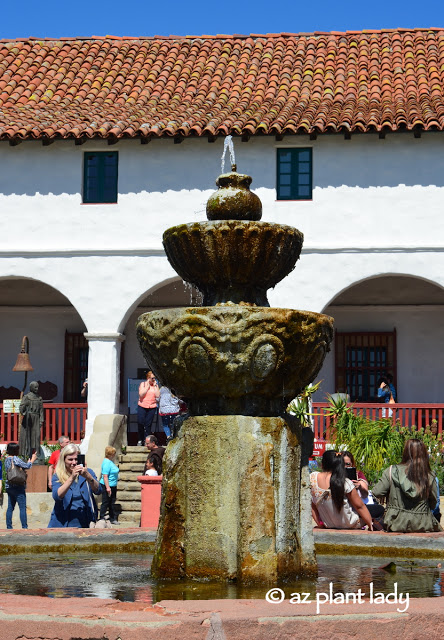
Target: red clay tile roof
<point x="215" y="85"/>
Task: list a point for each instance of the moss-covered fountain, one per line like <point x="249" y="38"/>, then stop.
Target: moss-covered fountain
<point x="235" y="499"/>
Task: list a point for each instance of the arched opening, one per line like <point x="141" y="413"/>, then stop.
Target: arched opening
<point x="387" y="324"/>
<point x="32" y="308"/>
<point x="169" y="294"/>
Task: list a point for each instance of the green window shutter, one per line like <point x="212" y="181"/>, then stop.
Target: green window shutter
<point x="100" y="171"/>
<point x="294" y="174"/>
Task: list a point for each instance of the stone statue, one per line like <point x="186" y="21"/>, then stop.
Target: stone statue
<point x="31" y="408"/>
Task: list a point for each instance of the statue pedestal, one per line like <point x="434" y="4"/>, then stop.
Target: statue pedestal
<point x="37" y="479"/>
<point x="236" y="500"/>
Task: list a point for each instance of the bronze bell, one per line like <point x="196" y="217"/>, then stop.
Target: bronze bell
<point x="23" y="363"/>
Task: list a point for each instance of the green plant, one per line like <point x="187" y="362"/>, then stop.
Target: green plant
<point x="300" y="406"/>
<point x="344" y="422"/>
<point x="377" y="444"/>
<point x="338" y="406"/>
<point x="52" y="448"/>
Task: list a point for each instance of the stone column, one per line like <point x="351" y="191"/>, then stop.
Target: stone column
<point x="103" y="377"/>
<point x="235" y="501"/>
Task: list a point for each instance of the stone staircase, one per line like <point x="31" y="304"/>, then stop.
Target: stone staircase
<point x="131" y="465"/>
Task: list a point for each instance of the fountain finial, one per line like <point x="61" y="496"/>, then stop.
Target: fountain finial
<point x="234" y="200"/>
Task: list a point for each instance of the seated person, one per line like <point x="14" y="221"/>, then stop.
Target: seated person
<point x="411" y="490"/>
<point x="361" y="485"/>
<point x="335" y="501"/>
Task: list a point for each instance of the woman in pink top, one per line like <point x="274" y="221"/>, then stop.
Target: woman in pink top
<point x="147" y="406"/>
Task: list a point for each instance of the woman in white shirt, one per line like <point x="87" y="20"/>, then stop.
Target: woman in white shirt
<point x="152" y="466"/>
<point x="334" y="500"/>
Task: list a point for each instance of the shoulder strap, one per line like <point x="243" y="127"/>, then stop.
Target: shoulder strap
<point x="390" y="474"/>
<point x="91" y="500"/>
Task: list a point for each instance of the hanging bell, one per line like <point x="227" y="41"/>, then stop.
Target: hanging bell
<point x="23" y="363"/>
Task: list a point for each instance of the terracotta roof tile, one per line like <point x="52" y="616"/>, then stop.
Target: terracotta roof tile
<point x="214" y="85"/>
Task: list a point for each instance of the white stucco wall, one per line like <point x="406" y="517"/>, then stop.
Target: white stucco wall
<point x="376" y="208"/>
<point x="367" y="191"/>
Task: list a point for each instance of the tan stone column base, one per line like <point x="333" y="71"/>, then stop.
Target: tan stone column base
<point x="235" y="500"/>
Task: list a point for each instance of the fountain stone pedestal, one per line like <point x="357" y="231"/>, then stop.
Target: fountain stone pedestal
<point x="231" y="500"/>
<point x="235" y="496"/>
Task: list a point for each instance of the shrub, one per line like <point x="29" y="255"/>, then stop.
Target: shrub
<point x="377" y="444"/>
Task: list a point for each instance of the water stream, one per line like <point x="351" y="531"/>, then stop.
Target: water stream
<point x="228" y="146"/>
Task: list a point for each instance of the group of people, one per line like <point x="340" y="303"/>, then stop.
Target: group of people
<point x="410" y="490"/>
<point x="153" y="399"/>
<point x="73" y="485"/>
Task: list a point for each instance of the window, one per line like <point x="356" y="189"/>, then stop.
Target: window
<point x="294" y="174"/>
<point x="360" y="359"/>
<point x="100" y="176"/>
<point x="76" y="366"/>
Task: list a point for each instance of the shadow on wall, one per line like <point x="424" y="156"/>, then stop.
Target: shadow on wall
<point x="364" y="161"/>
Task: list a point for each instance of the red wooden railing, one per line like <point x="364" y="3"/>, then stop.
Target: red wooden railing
<point x="408" y="415"/>
<point x="60" y="419"/>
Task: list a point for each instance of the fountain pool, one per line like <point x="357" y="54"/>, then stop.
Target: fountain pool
<point x="126" y="577"/>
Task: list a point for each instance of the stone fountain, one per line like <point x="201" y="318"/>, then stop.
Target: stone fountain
<point x="235" y="497"/>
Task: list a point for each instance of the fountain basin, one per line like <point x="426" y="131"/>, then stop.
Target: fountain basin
<point x="235" y="359"/>
<point x="233" y="260"/>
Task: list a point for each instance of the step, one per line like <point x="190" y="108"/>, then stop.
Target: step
<point x="134" y="513"/>
<point x="132" y="466"/>
<point x="130" y="519"/>
<point x="128" y="486"/>
<point x="130" y="513"/>
<point x="130" y="505"/>
<point x="134" y="457"/>
<point x="126" y="496"/>
<point x="129" y="476"/>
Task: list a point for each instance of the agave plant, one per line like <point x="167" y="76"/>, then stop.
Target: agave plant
<point x="344" y="421"/>
<point x="337" y="405"/>
<point x="301" y="405"/>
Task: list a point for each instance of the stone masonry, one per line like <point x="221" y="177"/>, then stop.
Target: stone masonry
<point x="131" y="465"/>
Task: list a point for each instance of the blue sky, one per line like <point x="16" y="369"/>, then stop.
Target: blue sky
<point x="51" y="18"/>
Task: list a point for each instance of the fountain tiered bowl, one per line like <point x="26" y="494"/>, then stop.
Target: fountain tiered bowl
<point x="234" y="355"/>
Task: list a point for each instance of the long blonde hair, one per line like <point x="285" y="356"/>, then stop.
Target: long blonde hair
<point x="60" y="469"/>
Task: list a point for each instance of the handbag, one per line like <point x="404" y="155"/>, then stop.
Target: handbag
<point x="16" y="475"/>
